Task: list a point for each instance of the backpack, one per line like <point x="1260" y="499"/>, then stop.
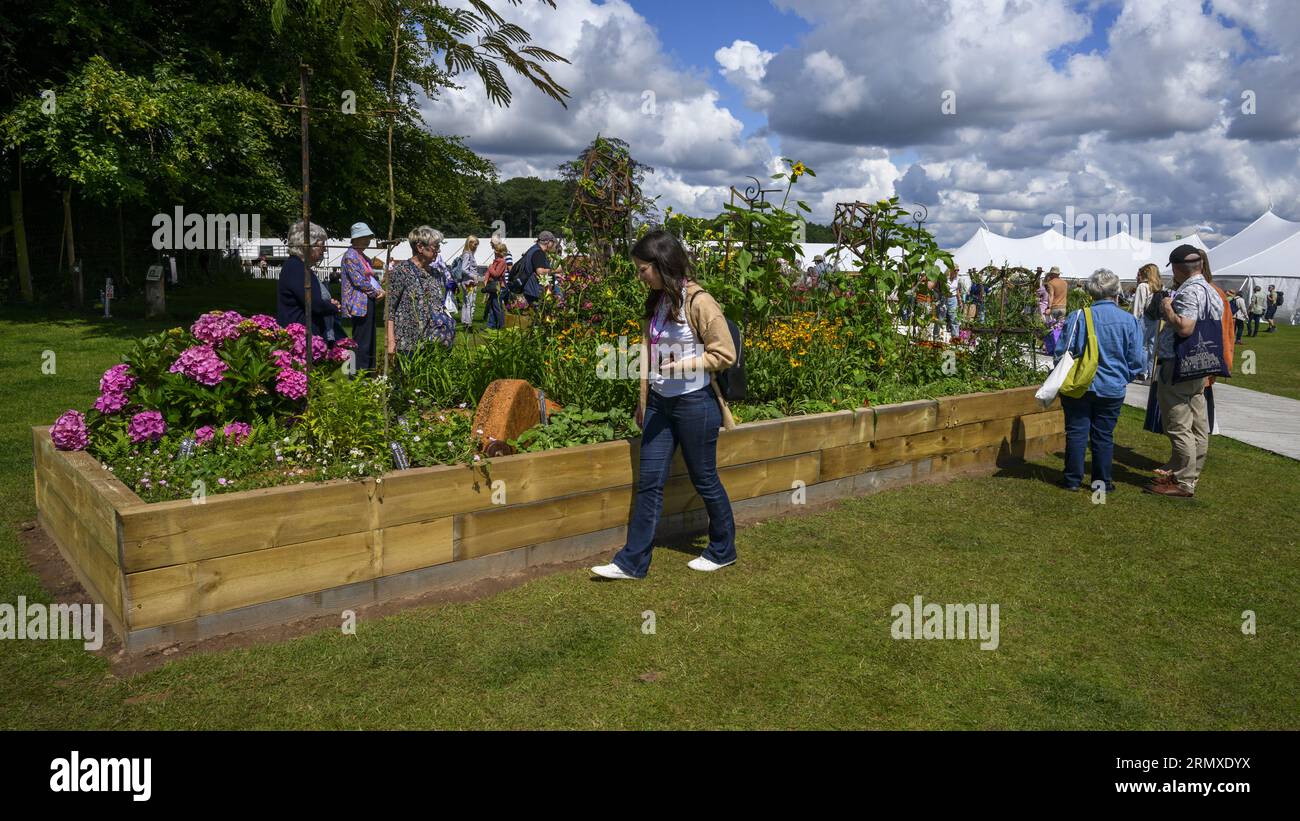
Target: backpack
<point x="731" y="382"/>
<point x="519" y="274"/>
<point x="1277" y="300"/>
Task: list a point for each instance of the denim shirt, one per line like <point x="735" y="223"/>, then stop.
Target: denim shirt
<point x="1119" y="346"/>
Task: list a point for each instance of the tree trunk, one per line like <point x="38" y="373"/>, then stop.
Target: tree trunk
<point x="20" y="244"/>
<point x="78" y="285"/>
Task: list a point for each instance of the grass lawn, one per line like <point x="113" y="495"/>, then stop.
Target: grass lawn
<point x="1123" y="615"/>
<point x="1277" y="362"/>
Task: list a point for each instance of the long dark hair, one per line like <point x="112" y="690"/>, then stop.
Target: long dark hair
<point x="662" y="250"/>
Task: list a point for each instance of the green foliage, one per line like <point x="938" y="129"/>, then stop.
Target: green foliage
<point x="345" y="421"/>
<point x="122" y="137"/>
<point x="577" y="426"/>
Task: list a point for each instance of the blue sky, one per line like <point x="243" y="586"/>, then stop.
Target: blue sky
<point x="692" y="30"/>
<point x="1106" y="106"/>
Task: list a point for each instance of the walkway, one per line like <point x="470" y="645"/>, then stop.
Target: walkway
<point x="1260" y="419"/>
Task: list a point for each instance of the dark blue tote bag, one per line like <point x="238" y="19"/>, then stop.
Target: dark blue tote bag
<point x="1201" y="354"/>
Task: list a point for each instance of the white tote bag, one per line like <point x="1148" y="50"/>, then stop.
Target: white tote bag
<point x="1052" y="386"/>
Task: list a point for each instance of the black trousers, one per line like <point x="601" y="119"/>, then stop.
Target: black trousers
<point x="363" y="333"/>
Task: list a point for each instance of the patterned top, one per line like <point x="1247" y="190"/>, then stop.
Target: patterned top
<point x="417" y="305"/>
<point x="357" y="289"/>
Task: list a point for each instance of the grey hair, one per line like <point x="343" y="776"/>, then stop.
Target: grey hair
<point x="298" y="235"/>
<point x="1103" y="284"/>
<point x="424" y="235"/>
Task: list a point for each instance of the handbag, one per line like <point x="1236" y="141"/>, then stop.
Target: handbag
<point x="1080" y="377"/>
<point x="1069" y="372"/>
<point x="1200" y="354"/>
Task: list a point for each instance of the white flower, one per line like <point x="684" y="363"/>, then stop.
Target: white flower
<point x="461" y="405"/>
<point x="477" y="458"/>
<point x="417" y="438"/>
<point x="480" y="431"/>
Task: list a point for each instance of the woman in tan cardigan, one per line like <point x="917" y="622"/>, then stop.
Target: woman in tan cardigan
<point x="688" y="343"/>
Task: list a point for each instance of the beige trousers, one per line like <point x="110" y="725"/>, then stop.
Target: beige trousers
<point x="1187" y="424"/>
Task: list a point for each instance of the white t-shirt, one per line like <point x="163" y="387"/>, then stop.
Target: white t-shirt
<point x="674" y="341"/>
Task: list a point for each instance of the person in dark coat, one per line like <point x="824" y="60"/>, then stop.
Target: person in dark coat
<point x="290" y="306"/>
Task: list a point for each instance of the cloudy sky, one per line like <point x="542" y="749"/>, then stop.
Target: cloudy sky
<point x="1005" y="111"/>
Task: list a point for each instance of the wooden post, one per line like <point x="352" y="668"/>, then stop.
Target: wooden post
<point x="78" y="292"/>
<point x="308" y="287"/>
<point x="392" y="200"/>
<point x="20" y="244"/>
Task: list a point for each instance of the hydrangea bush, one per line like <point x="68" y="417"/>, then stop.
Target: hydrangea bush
<point x="226" y="373"/>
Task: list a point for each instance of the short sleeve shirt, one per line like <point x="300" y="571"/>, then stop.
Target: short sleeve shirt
<point x="1194" y="299"/>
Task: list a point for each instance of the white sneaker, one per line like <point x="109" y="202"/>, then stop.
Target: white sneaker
<point x="701" y="563"/>
<point x="611" y="571"/>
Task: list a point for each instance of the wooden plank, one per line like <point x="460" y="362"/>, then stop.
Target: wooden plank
<point x="1043" y="424"/>
<point x="964" y="409"/>
<point x="423" y="494"/>
<point x="491" y="531"/>
<point x="167" y="533"/>
<point x="905" y="418"/>
<point x="79" y="542"/>
<point x="415" y="545"/>
<point x="163" y="595"/>
<point x="747" y="481"/>
<point x="56" y="473"/>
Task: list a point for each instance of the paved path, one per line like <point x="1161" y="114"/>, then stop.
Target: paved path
<point x="1260" y="419"/>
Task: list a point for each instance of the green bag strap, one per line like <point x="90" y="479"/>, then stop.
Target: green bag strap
<point x="1084" y="370"/>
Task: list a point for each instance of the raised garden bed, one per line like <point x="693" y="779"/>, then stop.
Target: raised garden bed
<point x="182" y="570"/>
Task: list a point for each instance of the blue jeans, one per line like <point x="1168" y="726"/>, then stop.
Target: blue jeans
<point x="1090" y="420"/>
<point x="691" y="420"/>
<point x="954" y="320"/>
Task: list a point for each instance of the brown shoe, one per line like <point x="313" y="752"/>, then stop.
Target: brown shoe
<point x="1171" y="489"/>
<point x="1164" y="479"/>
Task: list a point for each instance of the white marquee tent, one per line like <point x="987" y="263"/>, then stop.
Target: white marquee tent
<point x="1264" y="253"/>
<point x="1077" y="259"/>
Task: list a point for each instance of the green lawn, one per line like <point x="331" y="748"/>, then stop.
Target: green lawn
<point x="1277" y="362"/>
<point x="1123" y="615"/>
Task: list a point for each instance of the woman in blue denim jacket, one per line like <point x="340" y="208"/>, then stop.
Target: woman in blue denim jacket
<point x="1090" y="419"/>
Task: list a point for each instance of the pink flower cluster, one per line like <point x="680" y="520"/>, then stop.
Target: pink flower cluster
<point x="299" y="336"/>
<point x="237" y="432"/>
<point x="113" y="386"/>
<point x="69" y="431"/>
<point x="216" y="327"/>
<point x="264" y="322"/>
<point x="201" y="364"/>
<point x="146" y="426"/>
<point x="291" y="383"/>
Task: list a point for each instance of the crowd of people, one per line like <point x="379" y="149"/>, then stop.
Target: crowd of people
<point x="1178" y="340"/>
<point x="426" y="295"/>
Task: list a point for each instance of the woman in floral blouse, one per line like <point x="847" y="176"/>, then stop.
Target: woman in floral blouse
<point x="417" y="292"/>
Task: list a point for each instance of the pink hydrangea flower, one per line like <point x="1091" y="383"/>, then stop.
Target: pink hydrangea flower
<point x="109" y="403"/>
<point x="201" y="364"/>
<point x="291" y="383"/>
<point x="146" y="426"/>
<point x="69" y="431"/>
<point x="204" y="434"/>
<point x="113" y="386"/>
<point x="117" y="379"/>
<point x="265" y="322"/>
<point x="283" y="359"/>
<point x="216" y="327"/>
<point x="237" y="432"/>
<point x="299" y="336"/>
